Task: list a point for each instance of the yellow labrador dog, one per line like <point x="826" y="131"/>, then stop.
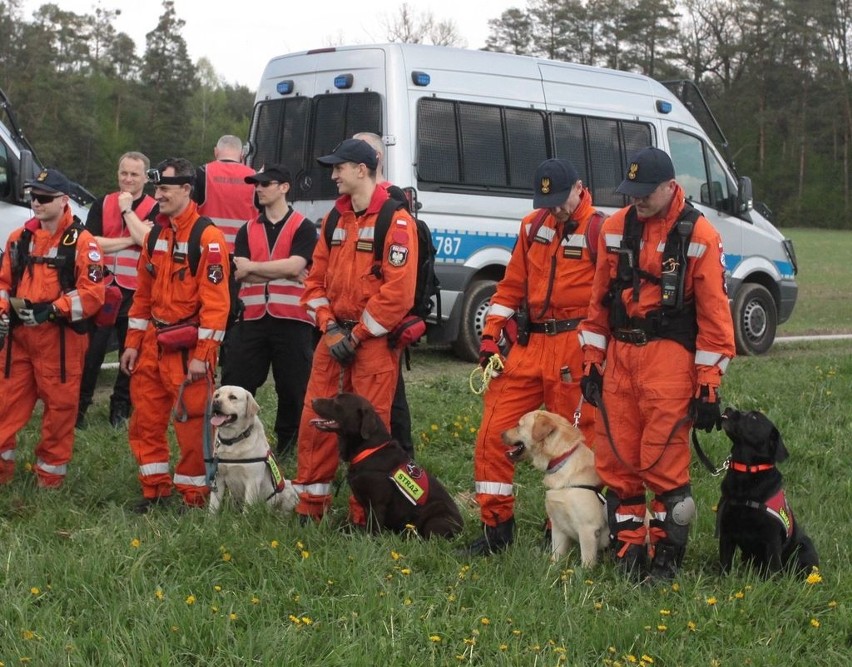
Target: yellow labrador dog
<point x="246" y="466"/>
<point x="554" y="446"/>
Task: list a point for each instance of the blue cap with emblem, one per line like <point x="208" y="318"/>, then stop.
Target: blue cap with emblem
<point x="51" y="181"/>
<point x="554" y="179"/>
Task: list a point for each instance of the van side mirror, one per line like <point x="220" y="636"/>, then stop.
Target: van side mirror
<point x="712" y="193"/>
<point x="745" y="195"/>
<point x="24" y="173"/>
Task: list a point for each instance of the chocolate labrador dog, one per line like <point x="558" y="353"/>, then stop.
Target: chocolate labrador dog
<point x="754" y="514"/>
<point x="393" y="490"/>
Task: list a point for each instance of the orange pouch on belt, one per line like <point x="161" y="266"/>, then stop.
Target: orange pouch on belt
<point x="108" y="313"/>
<point x="178" y="337"/>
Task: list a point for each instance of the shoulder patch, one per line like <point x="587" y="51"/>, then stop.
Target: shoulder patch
<point x="215" y="273"/>
<point x="397" y="255"/>
<point x="214" y="254"/>
<point x="95" y="273"/>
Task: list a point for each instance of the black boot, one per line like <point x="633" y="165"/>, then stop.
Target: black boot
<point x="494" y="539"/>
<point x="81" y="422"/>
<point x="630" y="557"/>
<point x="119" y="413"/>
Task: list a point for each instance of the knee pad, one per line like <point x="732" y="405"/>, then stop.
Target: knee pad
<point x="679" y="509"/>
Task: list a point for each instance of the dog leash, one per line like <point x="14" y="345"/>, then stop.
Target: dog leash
<point x="485" y="375"/>
<point x="715" y="471"/>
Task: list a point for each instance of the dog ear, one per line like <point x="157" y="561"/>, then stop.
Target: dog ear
<point x="542" y="427"/>
<point x="368" y="422"/>
<point x="252" y="408"/>
<point x="779" y="450"/>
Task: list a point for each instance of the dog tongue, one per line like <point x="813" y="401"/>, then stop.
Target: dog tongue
<point x="218" y="420"/>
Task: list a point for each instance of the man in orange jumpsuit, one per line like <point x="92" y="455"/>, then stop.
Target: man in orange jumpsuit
<point x="550" y="271"/>
<point x="357" y="303"/>
<point x="659" y="318"/>
<point x="221" y="191"/>
<point x="174" y="368"/>
<point x="46" y="307"/>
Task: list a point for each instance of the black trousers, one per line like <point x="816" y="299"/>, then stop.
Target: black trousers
<point x="401" y="417"/>
<point x="287" y="346"/>
<point x="98" y="344"/>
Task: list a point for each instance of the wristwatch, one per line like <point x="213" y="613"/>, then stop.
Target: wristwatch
<point x="126" y="211"/>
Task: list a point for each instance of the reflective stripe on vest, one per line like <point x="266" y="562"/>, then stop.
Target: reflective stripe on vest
<point x="228" y="199"/>
<point x="124" y="262"/>
<point x="279" y="298"/>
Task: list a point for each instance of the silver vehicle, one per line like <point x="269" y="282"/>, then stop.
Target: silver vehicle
<point x="18" y="164"/>
<point x="466" y="130"/>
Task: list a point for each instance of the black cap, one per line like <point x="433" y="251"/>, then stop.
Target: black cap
<point x="554" y="179"/>
<point x="352" y="150"/>
<point x="648" y="168"/>
<point x="274" y="172"/>
<point x="51" y="181"/>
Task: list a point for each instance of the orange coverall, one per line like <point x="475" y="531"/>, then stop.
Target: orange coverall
<point x="532" y="374"/>
<point x="343" y="287"/>
<point x="168" y="293"/>
<point x="35" y="353"/>
<point x="647" y="389"/>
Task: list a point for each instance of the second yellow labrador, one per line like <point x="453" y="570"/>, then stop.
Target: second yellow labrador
<point x="552" y="444"/>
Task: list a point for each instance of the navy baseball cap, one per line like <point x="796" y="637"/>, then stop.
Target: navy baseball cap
<point x="648" y="168"/>
<point x="351" y="150"/>
<point x="51" y="181"/>
<point x="274" y="172"/>
<point x="554" y="179"/>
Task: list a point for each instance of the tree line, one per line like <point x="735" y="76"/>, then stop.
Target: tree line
<point x="775" y="72"/>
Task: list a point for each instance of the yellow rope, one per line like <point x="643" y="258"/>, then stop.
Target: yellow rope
<point x="481" y="377"/>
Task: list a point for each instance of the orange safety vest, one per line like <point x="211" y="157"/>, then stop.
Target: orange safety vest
<point x="228" y="199"/>
<point x="280" y="297"/>
<point x="122" y="264"/>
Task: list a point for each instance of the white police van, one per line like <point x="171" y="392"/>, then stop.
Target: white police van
<point x="18" y="164"/>
<point x="466" y="129"/>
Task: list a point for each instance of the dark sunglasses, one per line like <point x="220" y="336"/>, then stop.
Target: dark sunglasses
<point x="43" y="199"/>
<point x="266" y="184"/>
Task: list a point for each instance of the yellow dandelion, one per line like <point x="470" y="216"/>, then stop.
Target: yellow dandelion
<point x="504" y="647"/>
<point x="832" y="604"/>
<point x="662" y="628"/>
<point x="307" y="620"/>
<point x="739" y="595"/>
<point x="451" y="597"/>
<point x="217" y="588"/>
<point x="174" y="628"/>
<point x="711" y="600"/>
<point x="675" y="587"/>
<point x="612" y="650"/>
<point x="435" y="638"/>
<point x="159" y="594"/>
<point x="814" y="578"/>
<point x="472" y="429"/>
<point x="27" y="635"/>
<point x="631" y="658"/>
<point x="274" y="544"/>
<point x="407" y="602"/>
<point x="470" y="641"/>
<point x="190" y="600"/>
<point x="294" y="619"/>
<point x="299" y="545"/>
<point x="665" y="612"/>
<point x="28" y="466"/>
<point x="329" y="582"/>
<point x="517" y="633"/>
<point x="434" y="427"/>
<point x="691" y="626"/>
<point x="226" y="557"/>
<point x="395" y="555"/>
<point x="748" y="587"/>
<point x="255" y="599"/>
<point x="214" y="609"/>
<point x="135" y="543"/>
<point x="647" y="659"/>
<point x="35" y="590"/>
<point x="598" y="606"/>
<point x="305" y="554"/>
<point x="814" y="623"/>
<point x="406" y="571"/>
<point x="485" y="620"/>
<point x="232" y="616"/>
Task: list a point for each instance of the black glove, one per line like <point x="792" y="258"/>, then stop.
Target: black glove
<point x="591" y="384"/>
<point x="38" y="313"/>
<point x="487" y="349"/>
<point x="705" y="410"/>
<point x="343" y="350"/>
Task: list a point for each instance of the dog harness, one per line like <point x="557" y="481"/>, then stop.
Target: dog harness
<point x="411" y="480"/>
<point x="776" y="506"/>
<point x="278" y="481"/>
<point x="559" y="461"/>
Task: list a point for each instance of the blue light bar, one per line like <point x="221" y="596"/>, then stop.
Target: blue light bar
<point x="420" y="78"/>
<point x="343" y="81"/>
<point x="664" y="107"/>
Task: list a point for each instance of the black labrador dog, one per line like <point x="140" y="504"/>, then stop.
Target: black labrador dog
<point x="393" y="490"/>
<point x="754" y="514"/>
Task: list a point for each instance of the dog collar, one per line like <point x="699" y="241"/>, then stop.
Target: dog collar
<point x="559" y="461"/>
<point x="743" y="467"/>
<point x="231" y="441"/>
<point x="360" y="456"/>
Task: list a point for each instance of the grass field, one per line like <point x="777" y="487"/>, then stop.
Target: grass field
<point x="84" y="582"/>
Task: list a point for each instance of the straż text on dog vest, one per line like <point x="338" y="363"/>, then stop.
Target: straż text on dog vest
<point x="412" y="481"/>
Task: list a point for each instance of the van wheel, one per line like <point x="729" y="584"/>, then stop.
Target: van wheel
<point x="477" y="298"/>
<point x="755" y="319"/>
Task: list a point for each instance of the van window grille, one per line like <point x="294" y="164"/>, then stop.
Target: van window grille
<point x="279" y="133"/>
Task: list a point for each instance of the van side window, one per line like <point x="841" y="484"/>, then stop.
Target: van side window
<point x="280" y="132"/>
<point x="486" y="148"/>
<point x="479" y="146"/>
<point x="698" y="171"/>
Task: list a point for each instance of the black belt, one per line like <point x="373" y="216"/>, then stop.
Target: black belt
<point x="633" y="336"/>
<point x="553" y="327"/>
<point x="348" y="325"/>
